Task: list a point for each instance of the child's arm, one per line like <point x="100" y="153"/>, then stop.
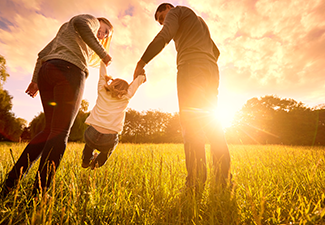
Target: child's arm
<point x="135" y="85"/>
<point x="141" y="72"/>
<point x="102" y="76"/>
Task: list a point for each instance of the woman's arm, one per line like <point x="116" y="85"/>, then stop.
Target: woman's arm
<point x="45" y="51"/>
<point x="32" y="89"/>
<point x="82" y="25"/>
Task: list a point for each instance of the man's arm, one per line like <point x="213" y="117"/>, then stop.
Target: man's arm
<point x="153" y="49"/>
<point x="165" y="35"/>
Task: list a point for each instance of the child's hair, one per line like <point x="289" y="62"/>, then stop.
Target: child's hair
<point x="117" y="87"/>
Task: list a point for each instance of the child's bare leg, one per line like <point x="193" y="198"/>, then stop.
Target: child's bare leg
<point x="87" y="156"/>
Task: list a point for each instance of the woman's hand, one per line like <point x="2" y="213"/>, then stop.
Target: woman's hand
<point x="107" y="59"/>
<point x="32" y="89"/>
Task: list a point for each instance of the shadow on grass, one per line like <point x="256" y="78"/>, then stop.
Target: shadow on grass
<point x="214" y="205"/>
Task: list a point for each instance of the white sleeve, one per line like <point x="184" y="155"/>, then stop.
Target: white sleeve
<point x="102" y="73"/>
<point x="134" y="86"/>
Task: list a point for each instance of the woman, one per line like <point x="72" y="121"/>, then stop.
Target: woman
<point x="59" y="75"/>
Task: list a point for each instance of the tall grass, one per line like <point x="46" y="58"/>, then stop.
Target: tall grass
<point x="144" y="184"/>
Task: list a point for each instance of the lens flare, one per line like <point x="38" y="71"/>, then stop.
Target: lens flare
<point x="52" y="103"/>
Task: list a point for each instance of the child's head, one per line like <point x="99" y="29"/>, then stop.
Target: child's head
<point x="117" y="87"/>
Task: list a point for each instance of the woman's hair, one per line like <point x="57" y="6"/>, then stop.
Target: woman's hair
<point x="162" y="7"/>
<point x="95" y="60"/>
<point x="117" y="87"/>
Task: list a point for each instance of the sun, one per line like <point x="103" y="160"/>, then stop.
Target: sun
<point x="228" y="105"/>
<point x="225" y="117"/>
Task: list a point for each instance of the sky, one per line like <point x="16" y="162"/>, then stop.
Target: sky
<point x="268" y="47"/>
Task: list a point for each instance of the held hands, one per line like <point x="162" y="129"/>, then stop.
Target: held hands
<point x="139" y="69"/>
<point x="107" y="59"/>
<point x="143" y="72"/>
<point x="32" y="89"/>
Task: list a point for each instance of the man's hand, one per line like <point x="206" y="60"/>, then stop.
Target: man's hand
<point x="139" y="69"/>
<point x="143" y="72"/>
<point x="32" y="89"/>
<point x="107" y="59"/>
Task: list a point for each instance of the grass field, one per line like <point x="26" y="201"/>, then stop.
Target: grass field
<point x="144" y="184"/>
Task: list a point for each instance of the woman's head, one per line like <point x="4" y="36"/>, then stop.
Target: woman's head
<point x="117" y="87"/>
<point x="104" y="35"/>
<point x="106" y="28"/>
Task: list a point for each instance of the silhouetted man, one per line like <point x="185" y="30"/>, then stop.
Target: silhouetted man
<point x="197" y="85"/>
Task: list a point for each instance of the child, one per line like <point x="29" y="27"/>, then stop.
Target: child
<point x="106" y="119"/>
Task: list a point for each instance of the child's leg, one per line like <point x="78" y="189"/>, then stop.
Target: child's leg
<point x="101" y="159"/>
<point x="87" y="156"/>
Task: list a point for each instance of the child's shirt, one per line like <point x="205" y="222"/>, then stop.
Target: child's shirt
<point x="109" y="112"/>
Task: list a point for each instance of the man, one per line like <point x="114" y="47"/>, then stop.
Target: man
<point x="197" y="84"/>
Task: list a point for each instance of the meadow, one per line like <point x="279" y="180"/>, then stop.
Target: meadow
<point x="144" y="184"/>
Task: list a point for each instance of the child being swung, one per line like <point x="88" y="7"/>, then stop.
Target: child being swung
<point x="106" y="119"/>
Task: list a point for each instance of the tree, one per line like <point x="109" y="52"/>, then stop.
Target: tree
<point x="272" y="120"/>
<point x="79" y="125"/>
<point x="319" y="131"/>
<point x="173" y="130"/>
<point x="154" y="124"/>
<point x="3" y="72"/>
<point x="10" y="126"/>
<point x="151" y="127"/>
<point x="133" y="130"/>
<point x="26" y="135"/>
<point x="77" y="129"/>
<point x="37" y="124"/>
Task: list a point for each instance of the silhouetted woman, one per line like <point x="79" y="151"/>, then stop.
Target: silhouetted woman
<point x="59" y="75"/>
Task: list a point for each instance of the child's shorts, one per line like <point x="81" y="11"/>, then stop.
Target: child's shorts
<point x="99" y="141"/>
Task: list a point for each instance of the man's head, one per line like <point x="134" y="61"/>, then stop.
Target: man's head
<point x="162" y="11"/>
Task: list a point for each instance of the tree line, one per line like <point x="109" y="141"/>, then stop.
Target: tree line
<point x="10" y="126"/>
<point x="272" y="120"/>
<point x="264" y="120"/>
<point x="140" y="127"/>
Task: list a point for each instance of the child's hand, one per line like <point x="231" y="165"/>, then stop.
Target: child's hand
<point x="143" y="72"/>
<point x="108" y="78"/>
<point x="139" y="68"/>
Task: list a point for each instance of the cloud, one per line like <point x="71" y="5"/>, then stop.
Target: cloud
<point x="278" y="46"/>
<point x="4" y="24"/>
<point x="32" y="24"/>
<point x="26" y="33"/>
<point x="28" y="4"/>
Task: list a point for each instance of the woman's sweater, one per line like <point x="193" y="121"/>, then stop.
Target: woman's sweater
<point x="75" y="42"/>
